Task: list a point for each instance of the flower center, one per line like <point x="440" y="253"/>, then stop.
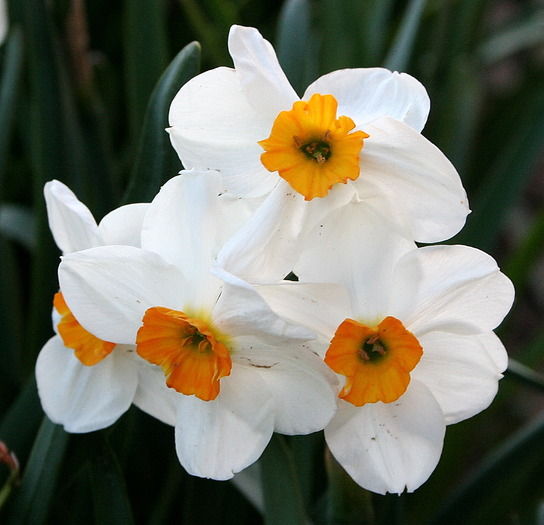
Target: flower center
<point x="376" y="361"/>
<point x="312" y="149"/>
<point x="87" y="347"/>
<point x="189" y="350"/>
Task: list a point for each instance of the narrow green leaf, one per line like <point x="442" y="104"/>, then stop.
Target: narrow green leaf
<point x="146" y="54"/>
<point x="508" y="472"/>
<point x="525" y="374"/>
<point x="520" y="35"/>
<point x="156" y="160"/>
<point x="296" y="44"/>
<point x="352" y="33"/>
<point x="33" y="499"/>
<point x="17" y="223"/>
<point x="9" y="91"/>
<point x="21" y="421"/>
<point x="11" y="321"/>
<point x="514" y="161"/>
<point x="519" y="264"/>
<point x="108" y="490"/>
<point x="348" y="504"/>
<point x="283" y="502"/>
<point x="400" y="54"/>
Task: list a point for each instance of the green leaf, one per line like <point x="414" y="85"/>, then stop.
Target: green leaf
<point x="283" y="502"/>
<point x="146" y="54"/>
<point x="522" y="34"/>
<point x="108" y="490"/>
<point x="512" y="471"/>
<point x="296" y="44"/>
<point x="353" y="33"/>
<point x="513" y="162"/>
<point x="400" y="54"/>
<point x="9" y="91"/>
<point x="17" y="223"/>
<point x="20" y="423"/>
<point x="156" y="160"/>
<point x="11" y="320"/>
<point x="32" y="502"/>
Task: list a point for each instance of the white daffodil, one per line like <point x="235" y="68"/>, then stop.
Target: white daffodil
<point x="85" y="383"/>
<point x="235" y="371"/>
<point x="354" y="136"/>
<point x="411" y="340"/>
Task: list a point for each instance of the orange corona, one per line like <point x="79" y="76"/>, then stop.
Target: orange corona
<point x="376" y="361"/>
<point x="189" y="350"/>
<point x="87" y="348"/>
<point x="311" y="148"/>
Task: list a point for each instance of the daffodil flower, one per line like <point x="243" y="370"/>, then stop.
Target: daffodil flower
<point x="411" y="340"/>
<point x="354" y="136"/>
<point x="86" y="383"/>
<point x="232" y="368"/>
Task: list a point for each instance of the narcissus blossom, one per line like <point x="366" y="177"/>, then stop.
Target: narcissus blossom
<point x="86" y="383"/>
<point x="355" y="135"/>
<point x="232" y="370"/>
<point x="411" y="340"/>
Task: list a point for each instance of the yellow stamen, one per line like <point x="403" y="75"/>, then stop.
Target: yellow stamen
<point x="312" y="149"/>
<point x="189" y="351"/>
<point x="87" y="348"/>
<point x="376" y="361"/>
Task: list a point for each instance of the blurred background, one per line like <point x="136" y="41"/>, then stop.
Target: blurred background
<point x="83" y="99"/>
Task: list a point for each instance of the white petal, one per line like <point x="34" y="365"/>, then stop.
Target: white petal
<point x="265" y="249"/>
<point x="153" y="396"/>
<point x="389" y="447"/>
<point x="459" y="372"/>
<point x="214" y="127"/>
<point x="109" y="288"/>
<point x="215" y="439"/>
<point x="84" y="398"/>
<point x="495" y="349"/>
<point x="241" y="311"/>
<point x="123" y="225"/>
<point x="301" y="386"/>
<point x="321" y="307"/>
<point x="367" y="94"/>
<point x="357" y="248"/>
<point x="411" y="182"/>
<point x="261" y="77"/>
<point x="455" y="289"/>
<point x="182" y="226"/>
<point x="71" y="223"/>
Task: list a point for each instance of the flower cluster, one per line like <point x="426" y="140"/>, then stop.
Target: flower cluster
<point x="275" y="284"/>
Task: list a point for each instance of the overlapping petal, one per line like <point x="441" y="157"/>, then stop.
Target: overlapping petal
<point x="456" y="289"/>
<point x="389" y="447"/>
<point x="85" y="398"/>
<point x="367" y="94"/>
<point x="217" y="439"/>
<point x="213" y="126"/>
<point x="301" y="386"/>
<point x="411" y="182"/>
<point x="460" y="373"/>
<point x="71" y="223"/>
<point x="109" y="288"/>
